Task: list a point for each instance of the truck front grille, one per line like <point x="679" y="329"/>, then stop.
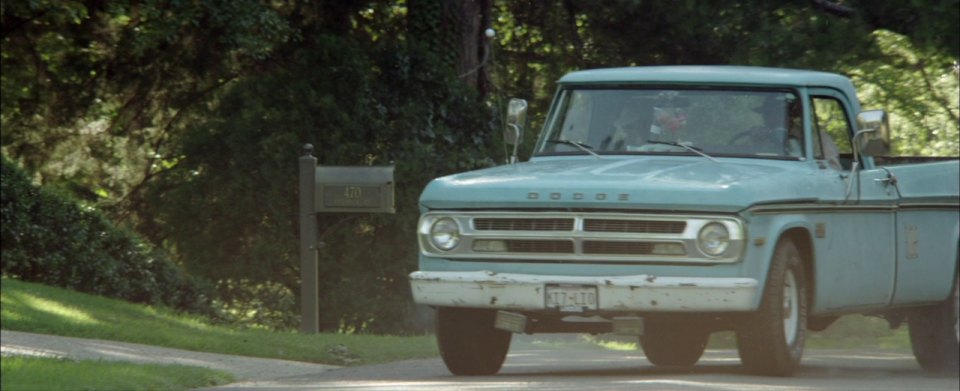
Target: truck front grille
<point x="634" y="226"/>
<point x="579" y="236"/>
<point x="514" y="224"/>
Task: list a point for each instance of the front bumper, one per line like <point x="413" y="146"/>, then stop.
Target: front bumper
<point x="635" y="293"/>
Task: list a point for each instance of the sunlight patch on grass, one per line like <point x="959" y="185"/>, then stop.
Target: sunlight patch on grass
<point x="618" y="345"/>
<point x="70" y="314"/>
<point x="53" y="308"/>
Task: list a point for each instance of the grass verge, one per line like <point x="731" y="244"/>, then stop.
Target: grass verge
<point x="49" y="310"/>
<point x="51" y="374"/>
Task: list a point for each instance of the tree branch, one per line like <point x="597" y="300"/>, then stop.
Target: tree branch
<point x="941" y="101"/>
<point x="9" y="26"/>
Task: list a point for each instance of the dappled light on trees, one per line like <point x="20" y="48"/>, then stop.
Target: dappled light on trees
<point x="183" y="120"/>
<point x="920" y="88"/>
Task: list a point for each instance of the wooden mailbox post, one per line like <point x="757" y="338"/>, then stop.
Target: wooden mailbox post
<point x="333" y="189"/>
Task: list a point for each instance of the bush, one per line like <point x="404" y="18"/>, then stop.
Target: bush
<point x="49" y="238"/>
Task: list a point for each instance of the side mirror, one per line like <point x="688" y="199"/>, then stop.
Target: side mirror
<point x="874" y="132"/>
<point x="513" y="132"/>
<point x="516" y="117"/>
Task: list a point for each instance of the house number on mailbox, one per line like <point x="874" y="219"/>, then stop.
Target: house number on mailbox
<point x="352" y="192"/>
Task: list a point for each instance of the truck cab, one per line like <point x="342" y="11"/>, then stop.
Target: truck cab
<point x="672" y="202"/>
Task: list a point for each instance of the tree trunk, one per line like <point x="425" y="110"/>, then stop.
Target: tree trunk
<point x="454" y="32"/>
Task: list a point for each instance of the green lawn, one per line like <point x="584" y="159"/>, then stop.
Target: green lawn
<point x="51" y="374"/>
<point x="48" y="310"/>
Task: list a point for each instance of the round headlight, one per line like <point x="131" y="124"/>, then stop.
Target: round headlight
<point x="445" y="233"/>
<point x="714" y="239"/>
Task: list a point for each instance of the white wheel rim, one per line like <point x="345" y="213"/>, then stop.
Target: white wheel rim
<point x="791" y="307"/>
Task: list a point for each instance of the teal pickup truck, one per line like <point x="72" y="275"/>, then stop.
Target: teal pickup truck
<point x="672" y="202"/>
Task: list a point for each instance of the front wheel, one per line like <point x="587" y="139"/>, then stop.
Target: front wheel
<point x="469" y="344"/>
<point x="771" y="341"/>
<point x="672" y="344"/>
<point x="935" y="334"/>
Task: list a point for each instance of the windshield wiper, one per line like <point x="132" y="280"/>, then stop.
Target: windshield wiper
<point x="695" y="150"/>
<point x="581" y="146"/>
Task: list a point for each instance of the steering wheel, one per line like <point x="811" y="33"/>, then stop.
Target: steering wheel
<point x="761" y="136"/>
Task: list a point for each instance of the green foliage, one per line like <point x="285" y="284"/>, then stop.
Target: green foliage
<point x="920" y="88"/>
<point x="930" y="25"/>
<point x="232" y="193"/>
<point x="49" y="238"/>
<point x="93" y="92"/>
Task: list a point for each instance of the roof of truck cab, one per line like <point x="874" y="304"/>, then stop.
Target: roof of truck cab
<point x="714" y="75"/>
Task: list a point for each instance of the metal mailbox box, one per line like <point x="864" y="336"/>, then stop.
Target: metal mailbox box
<point x="354" y="189"/>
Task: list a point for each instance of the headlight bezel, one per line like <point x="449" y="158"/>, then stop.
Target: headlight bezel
<point x="714" y="239"/>
<point x="449" y="238"/>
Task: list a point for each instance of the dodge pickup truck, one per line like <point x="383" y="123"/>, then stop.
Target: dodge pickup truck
<point x="668" y="203"/>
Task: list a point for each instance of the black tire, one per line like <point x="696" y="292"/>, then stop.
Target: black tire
<point x="771" y="340"/>
<point x="469" y="345"/>
<point x="934" y="334"/>
<point x="673" y="344"/>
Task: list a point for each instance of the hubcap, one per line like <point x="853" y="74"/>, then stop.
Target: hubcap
<point x="791" y="307"/>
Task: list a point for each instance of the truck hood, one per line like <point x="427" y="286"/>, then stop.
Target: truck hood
<point x="643" y="183"/>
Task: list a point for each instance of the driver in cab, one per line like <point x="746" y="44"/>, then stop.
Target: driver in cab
<point x="669" y="119"/>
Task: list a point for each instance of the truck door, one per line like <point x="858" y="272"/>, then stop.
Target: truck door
<point x="928" y="225"/>
<point x="855" y="251"/>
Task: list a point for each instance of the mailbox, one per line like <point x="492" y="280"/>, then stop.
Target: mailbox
<point x="332" y="189"/>
<point x="354" y="189"/>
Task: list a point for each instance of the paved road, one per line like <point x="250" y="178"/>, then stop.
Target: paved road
<point x="530" y="367"/>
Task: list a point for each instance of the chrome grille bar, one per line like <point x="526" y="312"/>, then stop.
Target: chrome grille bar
<point x="515" y="224"/>
<point x="634" y="226"/>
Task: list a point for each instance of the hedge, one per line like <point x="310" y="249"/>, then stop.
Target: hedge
<point x="50" y="238"/>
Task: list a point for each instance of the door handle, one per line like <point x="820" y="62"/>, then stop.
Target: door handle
<point x="889" y="180"/>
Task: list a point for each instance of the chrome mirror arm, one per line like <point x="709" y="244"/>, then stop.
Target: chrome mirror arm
<point x="516" y="143"/>
<point x="855" y="168"/>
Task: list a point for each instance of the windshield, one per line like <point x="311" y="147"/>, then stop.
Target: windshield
<point x="746" y="123"/>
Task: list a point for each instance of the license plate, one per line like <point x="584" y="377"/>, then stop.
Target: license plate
<point x="571" y="298"/>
